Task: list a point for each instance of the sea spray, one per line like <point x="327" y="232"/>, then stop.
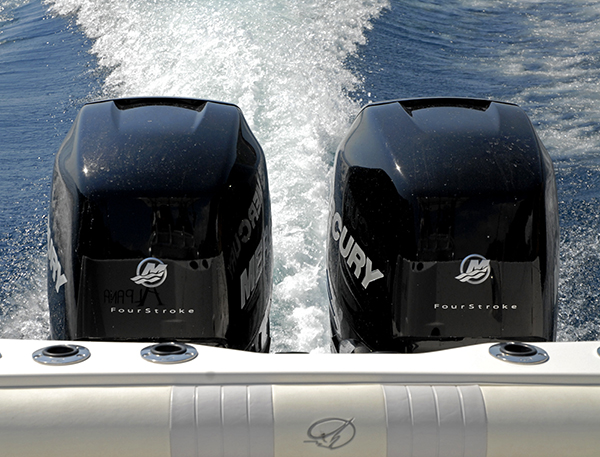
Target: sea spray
<point x="283" y="63"/>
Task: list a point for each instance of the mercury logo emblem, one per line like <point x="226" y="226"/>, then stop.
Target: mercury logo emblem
<point x="151" y="272"/>
<point x="474" y="269"/>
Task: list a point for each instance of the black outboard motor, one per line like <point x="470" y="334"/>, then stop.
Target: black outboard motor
<point x="160" y="226"/>
<point x="443" y="228"/>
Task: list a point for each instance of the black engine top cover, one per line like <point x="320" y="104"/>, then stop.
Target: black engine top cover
<point x="160" y="225"/>
<point x="443" y="228"/>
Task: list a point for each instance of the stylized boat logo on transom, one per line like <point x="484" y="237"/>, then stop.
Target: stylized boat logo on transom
<point x="331" y="433"/>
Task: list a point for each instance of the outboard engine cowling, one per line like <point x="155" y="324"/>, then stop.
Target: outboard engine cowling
<point x="160" y="226"/>
<point x="443" y="228"/>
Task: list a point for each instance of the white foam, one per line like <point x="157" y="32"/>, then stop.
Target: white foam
<point x="26" y="309"/>
<point x="6" y="7"/>
<point x="565" y="108"/>
<point x="553" y="59"/>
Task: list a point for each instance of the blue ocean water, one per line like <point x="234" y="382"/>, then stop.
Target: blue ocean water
<point x="46" y="74"/>
<point x="299" y="71"/>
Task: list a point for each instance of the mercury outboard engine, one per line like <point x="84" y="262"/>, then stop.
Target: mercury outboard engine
<point x="443" y="228"/>
<point x="160" y="226"/>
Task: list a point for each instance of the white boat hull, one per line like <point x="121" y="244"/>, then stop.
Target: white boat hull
<point x="459" y="402"/>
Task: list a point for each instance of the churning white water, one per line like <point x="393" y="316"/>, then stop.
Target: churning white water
<point x="282" y="63"/>
<point x="299" y="70"/>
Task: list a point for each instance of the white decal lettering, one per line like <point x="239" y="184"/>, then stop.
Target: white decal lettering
<point x="345" y="250"/>
<point x="472" y="306"/>
<point x="55" y="267"/>
<point x="336" y="226"/>
<point x="247" y="225"/>
<point x="245" y="230"/>
<point x="354" y="254"/>
<point x="114" y="309"/>
<point x="250" y="276"/>
<point x="370" y="274"/>
<point x="356" y="258"/>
